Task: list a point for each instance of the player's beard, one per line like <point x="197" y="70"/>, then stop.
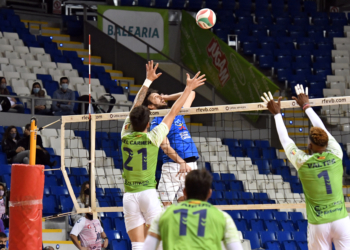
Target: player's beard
<point x="161" y="106"/>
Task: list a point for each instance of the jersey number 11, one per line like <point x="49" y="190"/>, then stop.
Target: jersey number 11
<point x="183" y="221"/>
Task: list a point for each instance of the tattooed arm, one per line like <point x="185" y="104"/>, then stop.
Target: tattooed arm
<point x="150" y="77"/>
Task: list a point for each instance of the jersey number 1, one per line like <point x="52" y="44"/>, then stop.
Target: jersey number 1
<point x="183" y="221"/>
<point x="327" y="182"/>
<point x="142" y="151"/>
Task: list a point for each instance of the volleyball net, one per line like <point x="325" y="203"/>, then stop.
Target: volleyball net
<point x="250" y="170"/>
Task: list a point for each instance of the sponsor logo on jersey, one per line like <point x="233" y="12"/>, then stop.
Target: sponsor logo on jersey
<point x="179" y="124"/>
<point x="321" y="157"/>
<point x="293" y="152"/>
<point x="89" y="226"/>
<point x="127" y="126"/>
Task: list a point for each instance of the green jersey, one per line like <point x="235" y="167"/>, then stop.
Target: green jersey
<point x="140" y="155"/>
<point x="194" y="224"/>
<point x="322" y="179"/>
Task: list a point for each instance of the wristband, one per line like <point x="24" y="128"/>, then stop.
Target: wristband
<point x="147" y="83"/>
<point x="306" y="105"/>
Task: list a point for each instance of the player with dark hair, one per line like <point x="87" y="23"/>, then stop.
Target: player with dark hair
<point x="194" y="223"/>
<point x="180" y="151"/>
<point x="321" y="174"/>
<point x="140" y="154"/>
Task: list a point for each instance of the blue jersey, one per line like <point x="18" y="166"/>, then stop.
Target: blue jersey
<point x="179" y="138"/>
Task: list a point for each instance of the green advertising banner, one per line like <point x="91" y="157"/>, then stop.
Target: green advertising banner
<point x="233" y="77"/>
<point x="150" y="25"/>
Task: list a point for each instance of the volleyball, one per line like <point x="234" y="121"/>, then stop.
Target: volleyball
<point x="206" y="18"/>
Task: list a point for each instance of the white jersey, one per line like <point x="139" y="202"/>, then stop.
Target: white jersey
<point x="89" y="232"/>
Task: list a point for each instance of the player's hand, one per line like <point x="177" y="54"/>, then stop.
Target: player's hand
<point x="303" y="97"/>
<point x="274" y="107"/>
<point x="184" y="169"/>
<point x="105" y="243"/>
<point x="196" y="81"/>
<point x="151" y="72"/>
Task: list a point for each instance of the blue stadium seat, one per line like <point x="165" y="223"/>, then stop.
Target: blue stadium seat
<point x="114" y="214"/>
<point x="5" y="169"/>
<point x="230" y="142"/>
<point x="261" y="196"/>
<point x="219" y="186"/>
<point x="266" y="215"/>
<point x="290" y="245"/>
<point x="263" y="166"/>
<point x="144" y="3"/>
<point x="246" y="196"/>
<point x="303" y="245"/>
<point x="228" y="177"/>
<point x="267" y="237"/>
<point x="276" y="163"/>
<point x="300" y="236"/>
<point x="302" y="225"/>
<point x="281" y="216"/>
<point x="236" y="186"/>
<point x="178" y="4"/>
<point x="287" y="225"/>
<point x="257" y="225"/>
<point x="253" y="152"/>
<point x="273" y="245"/>
<point x="50" y="206"/>
<point x="253" y="237"/>
<point x="272" y="225"/>
<point x="78" y="171"/>
<point x="297" y="188"/>
<point x="241" y="224"/>
<point x="51" y="181"/>
<point x="310" y="7"/>
<point x="235" y="214"/>
<point x="284" y="236"/>
<point x="66" y="203"/>
<point x="264" y="20"/>
<point x="269" y="154"/>
<point x="216" y="176"/>
<point x="249" y="215"/>
<point x="228" y="4"/>
<point x="58" y="190"/>
<point x="232" y="195"/>
<point x="194" y="4"/>
<point x="107" y="223"/>
<point x="262" y="144"/>
<point x="216" y="195"/>
<point x="126" y="2"/>
<point x="266" y="61"/>
<point x="246" y="143"/>
<point x="120" y="245"/>
<point x="47" y="191"/>
<point x="295" y="216"/>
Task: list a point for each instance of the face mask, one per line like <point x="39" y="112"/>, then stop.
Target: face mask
<point x="36" y="90"/>
<point x="13" y="135"/>
<point x="87" y="191"/>
<point x="2" y="246"/>
<point x="64" y="86"/>
<point x="1" y="194"/>
<point x="3" y="85"/>
<point x="88" y="216"/>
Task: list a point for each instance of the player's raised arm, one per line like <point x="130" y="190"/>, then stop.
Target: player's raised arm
<point x="303" y="101"/>
<point x="191" y="85"/>
<point x="275" y="109"/>
<point x="150" y="77"/>
<point x="176" y="96"/>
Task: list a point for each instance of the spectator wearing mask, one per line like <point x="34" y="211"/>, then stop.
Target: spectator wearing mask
<point x="39" y="104"/>
<point x="83" y="200"/>
<point x="60" y="108"/>
<point x="3" y="241"/>
<point x="4" y="91"/>
<point x="90" y="233"/>
<point x="9" y="146"/>
<point x="42" y="156"/>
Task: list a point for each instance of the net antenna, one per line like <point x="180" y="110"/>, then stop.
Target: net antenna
<point x="92" y="130"/>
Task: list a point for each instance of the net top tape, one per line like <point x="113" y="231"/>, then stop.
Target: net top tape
<point x="244" y="107"/>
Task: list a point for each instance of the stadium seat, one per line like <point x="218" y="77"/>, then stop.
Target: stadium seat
<point x="120" y="245"/>
<point x="249" y="215"/>
<point x="284" y="236"/>
<point x="107" y="223"/>
<point x="66" y="204"/>
<point x="241" y="224"/>
<point x="253" y="237"/>
<point x="271" y="225"/>
<point x="257" y="225"/>
<point x="235" y="214"/>
<point x="290" y="245"/>
<point x="267" y="237"/>
<point x="295" y="216"/>
<point x="303" y="245"/>
<point x="302" y="225"/>
<point x="50" y="206"/>
<point x="266" y="215"/>
<point x="300" y="236"/>
<point x="287" y="226"/>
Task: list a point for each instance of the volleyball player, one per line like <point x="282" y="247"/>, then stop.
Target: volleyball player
<point x="194" y="223"/>
<point x="321" y="174"/>
<point x="140" y="155"/>
<point x="180" y="151"/>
